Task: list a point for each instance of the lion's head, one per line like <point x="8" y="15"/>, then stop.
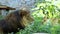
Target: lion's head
<point x="22" y="16"/>
<point x="26" y="17"/>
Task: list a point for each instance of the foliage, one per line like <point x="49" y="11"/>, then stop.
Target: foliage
<point x="46" y="19"/>
<point x="1" y="17"/>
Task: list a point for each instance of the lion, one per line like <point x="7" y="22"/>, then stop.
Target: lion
<point x="15" y="21"/>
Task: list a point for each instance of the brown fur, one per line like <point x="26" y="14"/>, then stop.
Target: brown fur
<point x="13" y="21"/>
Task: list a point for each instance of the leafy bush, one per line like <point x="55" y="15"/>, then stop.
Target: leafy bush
<point x="46" y="19"/>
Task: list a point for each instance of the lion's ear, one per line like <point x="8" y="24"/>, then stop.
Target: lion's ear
<point x="23" y="13"/>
